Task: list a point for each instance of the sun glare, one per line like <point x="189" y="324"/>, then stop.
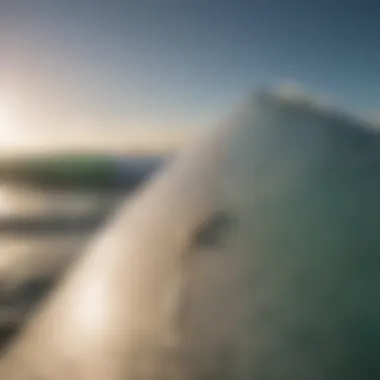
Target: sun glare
<point x="4" y="116"/>
<point x="7" y="125"/>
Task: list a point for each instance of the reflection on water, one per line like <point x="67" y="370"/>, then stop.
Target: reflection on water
<point x="22" y="201"/>
<point x="40" y="233"/>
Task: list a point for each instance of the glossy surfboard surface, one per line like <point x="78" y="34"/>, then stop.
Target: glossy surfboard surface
<point x="255" y="255"/>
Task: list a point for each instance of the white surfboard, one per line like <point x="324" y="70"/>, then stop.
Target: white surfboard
<point x="254" y="256"/>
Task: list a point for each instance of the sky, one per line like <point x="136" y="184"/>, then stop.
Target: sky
<point x="91" y="70"/>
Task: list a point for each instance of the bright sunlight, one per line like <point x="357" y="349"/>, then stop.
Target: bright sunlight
<point x="8" y="127"/>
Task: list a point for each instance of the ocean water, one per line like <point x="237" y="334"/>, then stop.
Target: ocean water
<point x="41" y="233"/>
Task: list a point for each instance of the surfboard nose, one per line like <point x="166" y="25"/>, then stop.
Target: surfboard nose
<point x="253" y="256"/>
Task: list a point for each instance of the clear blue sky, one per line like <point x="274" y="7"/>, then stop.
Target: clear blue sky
<point x="183" y="63"/>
